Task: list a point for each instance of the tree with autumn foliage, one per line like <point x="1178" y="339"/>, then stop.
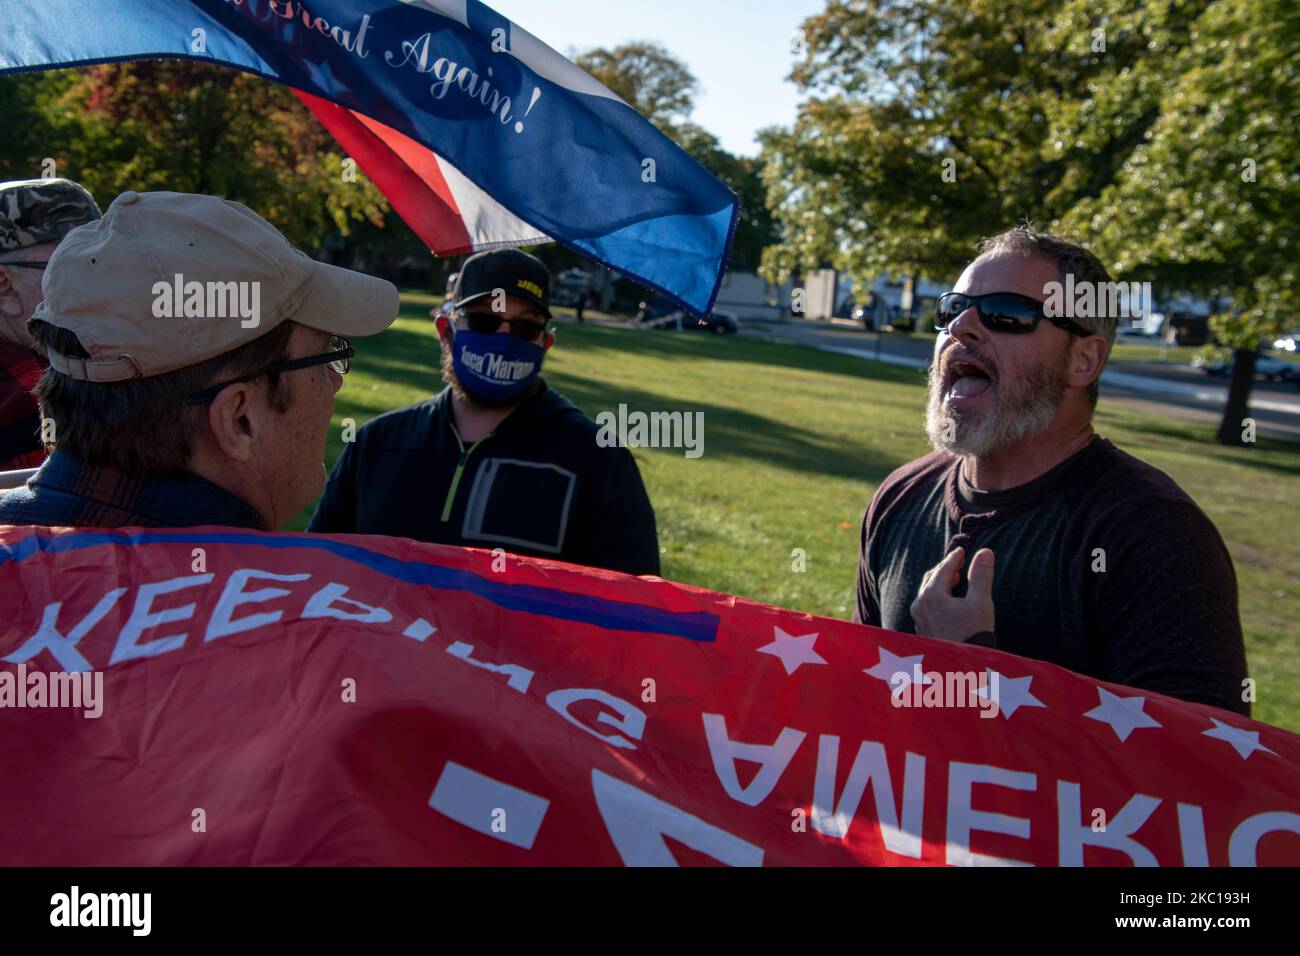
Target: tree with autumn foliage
<point x="187" y="127"/>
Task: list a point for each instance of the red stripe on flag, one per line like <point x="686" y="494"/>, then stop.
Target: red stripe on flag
<point x="403" y="170"/>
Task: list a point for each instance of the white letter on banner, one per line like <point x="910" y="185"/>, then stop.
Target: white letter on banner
<point x="1116" y="836"/>
<point x="1191" y="831"/>
<point x="774" y="758"/>
<point x="638" y="823"/>
<point x="319" y="606"/>
<point x="633" y="719"/>
<point x="869" y="766"/>
<point x="478" y="801"/>
<point x="1244" y="844"/>
<point x="962" y="819"/>
<point x="142" y="618"/>
<point x="220" y="624"/>
<point x="518" y="678"/>
<point x="64" y="649"/>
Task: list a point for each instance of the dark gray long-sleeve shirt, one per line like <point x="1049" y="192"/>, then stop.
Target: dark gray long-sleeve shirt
<point x="1104" y="566"/>
<point x="539" y="485"/>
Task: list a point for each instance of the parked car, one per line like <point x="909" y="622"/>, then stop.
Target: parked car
<point x="661" y="313"/>
<point x="875" y="314"/>
<point x="1150" y="326"/>
<point x="1289" y="342"/>
<point x="655" y="307"/>
<point x="1266" y="367"/>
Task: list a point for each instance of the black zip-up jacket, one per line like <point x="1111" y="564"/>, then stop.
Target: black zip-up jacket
<point x="539" y="485"/>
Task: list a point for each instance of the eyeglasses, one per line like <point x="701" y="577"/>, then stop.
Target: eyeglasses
<point x="1001" y="312"/>
<point x="339" y="358"/>
<point x="487" y="323"/>
<point x="26" y="265"/>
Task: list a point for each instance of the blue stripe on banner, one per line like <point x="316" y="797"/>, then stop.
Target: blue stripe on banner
<point x="529" y="598"/>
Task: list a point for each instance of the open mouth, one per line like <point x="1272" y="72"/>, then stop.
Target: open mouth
<point x="966" y="379"/>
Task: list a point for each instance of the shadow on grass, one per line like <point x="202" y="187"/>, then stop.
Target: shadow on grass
<point x="1284" y="455"/>
<point x="408" y="357"/>
<point x="700" y="346"/>
<point x="733" y="433"/>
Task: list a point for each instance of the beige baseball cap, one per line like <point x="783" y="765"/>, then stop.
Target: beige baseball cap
<point x="167" y="280"/>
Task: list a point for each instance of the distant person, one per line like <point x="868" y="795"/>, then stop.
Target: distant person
<point x="497" y="459"/>
<point x="174" y="417"/>
<point x="1026" y="531"/>
<point x="582" y="303"/>
<point x="34" y="215"/>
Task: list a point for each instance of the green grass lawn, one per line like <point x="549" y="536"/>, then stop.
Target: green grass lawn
<point x="796" y="440"/>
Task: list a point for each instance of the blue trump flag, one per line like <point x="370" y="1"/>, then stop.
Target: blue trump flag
<point x="528" y="146"/>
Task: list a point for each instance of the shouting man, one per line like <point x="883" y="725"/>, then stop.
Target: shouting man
<point x="1026" y="531"/>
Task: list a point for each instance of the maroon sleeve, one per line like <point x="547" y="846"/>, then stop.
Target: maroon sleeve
<point x="1164" y="608"/>
<point x="868" y="606"/>
<point x="882" y="504"/>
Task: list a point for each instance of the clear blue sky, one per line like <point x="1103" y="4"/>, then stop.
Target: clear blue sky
<point x="739" y="50"/>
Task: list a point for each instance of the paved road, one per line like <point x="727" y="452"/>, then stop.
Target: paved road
<point x="1172" y="388"/>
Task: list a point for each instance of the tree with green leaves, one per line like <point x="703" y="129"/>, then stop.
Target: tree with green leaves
<point x="648" y="78"/>
<point x="931" y="123"/>
<point x="1209" y="200"/>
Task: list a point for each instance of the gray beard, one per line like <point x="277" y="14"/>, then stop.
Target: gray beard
<point x="1021" y="408"/>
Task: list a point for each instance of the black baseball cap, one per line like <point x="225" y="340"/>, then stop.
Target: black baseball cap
<point x="512" y="271"/>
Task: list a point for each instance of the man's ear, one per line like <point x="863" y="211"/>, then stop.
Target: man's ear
<point x="233" y="421"/>
<point x="1087" y="358"/>
<point x="550" y="340"/>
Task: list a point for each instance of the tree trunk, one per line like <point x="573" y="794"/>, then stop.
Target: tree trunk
<point x="1231" y="429"/>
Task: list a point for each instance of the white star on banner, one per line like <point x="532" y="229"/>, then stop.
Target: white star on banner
<point x="891" y="664"/>
<point x="1124" y="714"/>
<point x="793" y="650"/>
<point x="1011" y="693"/>
<point x="1245" y="742"/>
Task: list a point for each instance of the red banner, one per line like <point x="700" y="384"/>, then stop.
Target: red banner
<point x="304" y="699"/>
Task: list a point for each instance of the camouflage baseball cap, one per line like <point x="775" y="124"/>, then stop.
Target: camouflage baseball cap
<point x="33" y="211"/>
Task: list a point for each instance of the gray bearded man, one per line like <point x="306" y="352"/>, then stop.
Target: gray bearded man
<point x="1025" y="530"/>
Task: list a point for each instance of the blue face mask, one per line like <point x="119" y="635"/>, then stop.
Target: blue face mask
<point x="495" y="367"/>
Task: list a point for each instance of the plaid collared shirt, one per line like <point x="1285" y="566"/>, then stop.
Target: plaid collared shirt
<point x="69" y="493"/>
<point x="20" y="418"/>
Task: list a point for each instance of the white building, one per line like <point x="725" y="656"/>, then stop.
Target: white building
<point x="750" y="296"/>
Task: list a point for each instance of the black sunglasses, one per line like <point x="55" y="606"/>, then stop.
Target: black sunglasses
<point x="1001" y="312"/>
<point x="26" y="265"/>
<point x="487" y="323"/>
<point x="338" y="358"/>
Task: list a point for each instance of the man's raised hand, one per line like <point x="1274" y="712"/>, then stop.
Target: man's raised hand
<point x="937" y="613"/>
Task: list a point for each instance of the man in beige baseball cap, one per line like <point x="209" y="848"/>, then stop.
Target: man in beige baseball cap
<point x="194" y="356"/>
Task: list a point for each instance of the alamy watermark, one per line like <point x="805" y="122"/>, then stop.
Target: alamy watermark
<point x="79" y="690"/>
<point x="976" y="690"/>
<point x="624" y="429"/>
<point x="179" y="299"/>
<point x="1091" y="300"/>
<point x="75" y="908"/>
